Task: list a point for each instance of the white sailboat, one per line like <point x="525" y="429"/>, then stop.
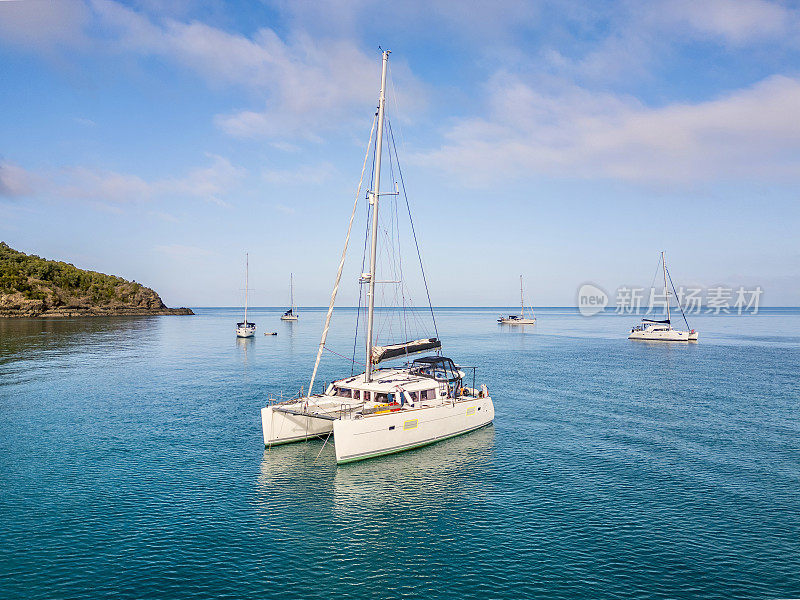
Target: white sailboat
<point x="246" y="329"/>
<point x="662" y="331"/>
<point x="519" y="319"/>
<point x="382" y="410"/>
<point x="291" y="314"/>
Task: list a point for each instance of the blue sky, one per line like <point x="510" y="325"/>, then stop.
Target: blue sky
<point x="567" y="141"/>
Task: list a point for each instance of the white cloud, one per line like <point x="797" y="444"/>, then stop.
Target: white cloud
<point x="15" y="181"/>
<point x="304" y="174"/>
<point x="308" y="84"/>
<point x="205" y="182"/>
<point x="163" y="216"/>
<point x="45" y="26"/>
<point x="287" y="210"/>
<point x="109" y="188"/>
<point x="735" y="21"/>
<point x="751" y="133"/>
<point x="302" y="84"/>
<point x="102" y="185"/>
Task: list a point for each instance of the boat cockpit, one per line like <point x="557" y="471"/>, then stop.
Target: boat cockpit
<point x="652" y="325"/>
<point x="439" y="368"/>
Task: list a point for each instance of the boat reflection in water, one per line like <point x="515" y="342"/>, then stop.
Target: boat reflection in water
<point x="413" y="480"/>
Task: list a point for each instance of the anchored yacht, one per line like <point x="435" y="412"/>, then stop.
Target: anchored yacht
<point x="246" y="329"/>
<point x="384" y="409"/>
<point x="519" y="319"/>
<point x="291" y="314"/>
<point x="662" y="331"/>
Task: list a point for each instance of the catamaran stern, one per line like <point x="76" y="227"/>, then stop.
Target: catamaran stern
<point x="282" y="427"/>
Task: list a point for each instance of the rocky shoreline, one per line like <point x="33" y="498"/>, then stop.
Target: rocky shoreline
<point x="34" y="287"/>
<point x="74" y="312"/>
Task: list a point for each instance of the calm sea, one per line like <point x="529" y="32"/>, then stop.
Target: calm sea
<point x="133" y="465"/>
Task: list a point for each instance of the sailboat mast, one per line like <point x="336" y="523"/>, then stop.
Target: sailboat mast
<point x="246" y="283"/>
<point x="666" y="290"/>
<point x="374" y="197"/>
<point x="291" y="292"/>
<point x="521" y="300"/>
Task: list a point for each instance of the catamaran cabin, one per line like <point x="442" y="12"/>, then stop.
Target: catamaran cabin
<point x="427" y="378"/>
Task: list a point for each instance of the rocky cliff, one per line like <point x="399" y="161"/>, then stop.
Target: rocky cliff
<point x="35" y="287"/>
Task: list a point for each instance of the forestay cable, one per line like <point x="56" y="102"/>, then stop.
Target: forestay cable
<point x="341" y="264"/>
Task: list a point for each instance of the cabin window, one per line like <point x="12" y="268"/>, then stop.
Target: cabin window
<point x="344" y="392"/>
<point x="381" y="397"/>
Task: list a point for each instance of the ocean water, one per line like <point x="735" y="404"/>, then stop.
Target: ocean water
<point x="133" y="465"/>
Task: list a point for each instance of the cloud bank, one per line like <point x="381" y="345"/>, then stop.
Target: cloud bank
<point x="573" y="131"/>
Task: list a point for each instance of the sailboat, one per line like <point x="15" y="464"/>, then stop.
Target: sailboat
<point x="384" y="409"/>
<point x="291" y="314"/>
<point x="662" y="331"/>
<point x="246" y="329"/>
<point x="519" y="319"/>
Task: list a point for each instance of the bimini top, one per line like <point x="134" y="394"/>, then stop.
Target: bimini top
<point x="437" y="367"/>
<point x="666" y="321"/>
<point x="431" y="360"/>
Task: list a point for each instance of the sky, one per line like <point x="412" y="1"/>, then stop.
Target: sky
<point x="569" y="142"/>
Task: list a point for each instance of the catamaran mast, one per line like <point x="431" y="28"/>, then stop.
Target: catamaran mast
<point x="666" y="290"/>
<point x="246" y="282"/>
<point x="374" y="197"/>
<point x="291" y="292"/>
<point x="521" y="301"/>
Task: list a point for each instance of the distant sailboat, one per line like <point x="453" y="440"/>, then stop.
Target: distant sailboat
<point x="245" y="329"/>
<point x="291" y="314"/>
<point x="519" y="319"/>
<point x="662" y="331"/>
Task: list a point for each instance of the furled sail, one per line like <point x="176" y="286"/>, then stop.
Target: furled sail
<point x="380" y="353"/>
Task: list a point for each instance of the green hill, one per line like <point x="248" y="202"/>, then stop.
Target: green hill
<point x="31" y="286"/>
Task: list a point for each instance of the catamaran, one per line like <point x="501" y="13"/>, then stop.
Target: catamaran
<point x="246" y="329"/>
<point x="291" y="314"/>
<point x="519" y="319"/>
<point x="384" y="409"/>
<point x="662" y="331"/>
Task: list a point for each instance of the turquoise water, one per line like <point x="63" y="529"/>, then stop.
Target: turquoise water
<point x="133" y="465"/>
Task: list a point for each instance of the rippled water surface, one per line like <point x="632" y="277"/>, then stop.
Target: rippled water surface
<point x="133" y="465"/>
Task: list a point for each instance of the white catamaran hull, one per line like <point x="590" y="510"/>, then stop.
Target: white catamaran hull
<point x="671" y="335"/>
<point x="285" y="318"/>
<point x="245" y="332"/>
<point x="282" y="428"/>
<point x="357" y="439"/>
